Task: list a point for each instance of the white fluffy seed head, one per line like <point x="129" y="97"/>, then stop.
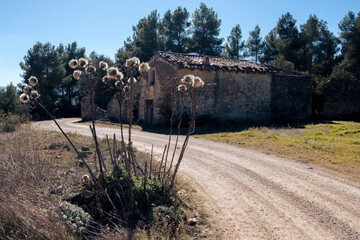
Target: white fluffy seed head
<point x="106" y="79"/>
<point x="144" y="67"/>
<point x="77" y="74"/>
<point x="132" y="62"/>
<point x="113" y="72"/>
<point x="198" y="82"/>
<point x="24" y="98"/>
<point x="90" y="69"/>
<point x="83" y="62"/>
<point x="182" y="88"/>
<point x="188" y="79"/>
<point x="103" y="65"/>
<point x="34" y="94"/>
<point x="28" y="89"/>
<point x="118" y="84"/>
<point x="73" y="63"/>
<point x="33" y="81"/>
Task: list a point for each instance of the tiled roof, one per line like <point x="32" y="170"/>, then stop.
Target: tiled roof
<point x="216" y="63"/>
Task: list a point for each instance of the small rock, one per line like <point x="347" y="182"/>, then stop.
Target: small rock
<point x="68" y="172"/>
<point x="192" y="221"/>
<point x="81" y="164"/>
<point x="83" y="154"/>
<point x="140" y="224"/>
<point x="84" y="148"/>
<point x="67" y="147"/>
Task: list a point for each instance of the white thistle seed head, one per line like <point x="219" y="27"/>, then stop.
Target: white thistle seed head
<point x="103" y="65"/>
<point x="83" y="62"/>
<point x="90" y="69"/>
<point x="113" y="72"/>
<point x="188" y="79"/>
<point x="106" y="79"/>
<point x="132" y="62"/>
<point x="34" y="94"/>
<point x="118" y="84"/>
<point x="28" y="89"/>
<point x="24" y="98"/>
<point x="77" y="74"/>
<point x="144" y="67"/>
<point x="182" y="88"/>
<point x="198" y="82"/>
<point x="33" y="81"/>
<point x="73" y="63"/>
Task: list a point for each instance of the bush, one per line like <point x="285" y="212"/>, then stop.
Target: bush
<point x="9" y="122"/>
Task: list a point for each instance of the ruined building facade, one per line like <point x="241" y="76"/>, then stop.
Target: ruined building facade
<point x="242" y="91"/>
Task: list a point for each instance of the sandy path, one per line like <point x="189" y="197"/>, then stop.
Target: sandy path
<point x="250" y="195"/>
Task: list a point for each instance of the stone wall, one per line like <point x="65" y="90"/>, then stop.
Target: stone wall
<point x="341" y="98"/>
<point x="157" y="92"/>
<point x="291" y="96"/>
<point x="237" y="96"/>
<point x="86" y="110"/>
<point x="113" y="109"/>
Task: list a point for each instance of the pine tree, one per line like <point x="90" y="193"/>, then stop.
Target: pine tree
<point x="270" y="51"/>
<point x="309" y="37"/>
<point x="69" y="104"/>
<point x="254" y="44"/>
<point x="44" y="62"/>
<point x="350" y="41"/>
<point x="287" y="43"/>
<point x="205" y="32"/>
<point x="146" y="39"/>
<point x="234" y="45"/>
<point x="174" y="29"/>
<point x="325" y="52"/>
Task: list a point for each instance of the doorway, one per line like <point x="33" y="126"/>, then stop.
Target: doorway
<point x="149" y="111"/>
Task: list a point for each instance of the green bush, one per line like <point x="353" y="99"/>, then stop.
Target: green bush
<point x="9" y="122"/>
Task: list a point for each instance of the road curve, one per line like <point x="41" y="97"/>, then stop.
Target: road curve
<point x="250" y="195"/>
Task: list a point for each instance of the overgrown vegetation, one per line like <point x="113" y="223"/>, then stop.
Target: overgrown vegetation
<point x="119" y="190"/>
<point x="331" y="146"/>
<point x="12" y="112"/>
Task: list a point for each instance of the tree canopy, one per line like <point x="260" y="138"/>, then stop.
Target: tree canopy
<point x="235" y="44"/>
<point x="205" y="32"/>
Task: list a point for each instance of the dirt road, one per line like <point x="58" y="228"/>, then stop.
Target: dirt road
<point x="250" y="195"/>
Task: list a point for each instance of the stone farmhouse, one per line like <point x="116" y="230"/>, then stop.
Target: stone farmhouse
<point x="244" y="91"/>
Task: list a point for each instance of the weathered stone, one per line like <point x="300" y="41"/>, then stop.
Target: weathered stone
<point x="241" y="91"/>
<point x="86" y="110"/>
<point x="192" y="221"/>
<point x="113" y="109"/>
<point x="85" y="148"/>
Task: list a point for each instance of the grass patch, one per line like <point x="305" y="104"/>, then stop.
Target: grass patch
<point x="332" y="146"/>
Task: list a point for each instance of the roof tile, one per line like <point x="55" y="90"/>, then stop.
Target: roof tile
<point x="198" y="62"/>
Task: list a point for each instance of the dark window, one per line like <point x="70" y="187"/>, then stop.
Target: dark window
<point x="152" y="77"/>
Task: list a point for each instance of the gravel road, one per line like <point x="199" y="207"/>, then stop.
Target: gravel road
<point x="250" y="195"/>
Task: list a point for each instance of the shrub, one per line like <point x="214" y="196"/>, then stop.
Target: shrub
<point x="9" y="122"/>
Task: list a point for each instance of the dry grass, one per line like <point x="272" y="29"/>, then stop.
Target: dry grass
<point x="333" y="147"/>
<point x="26" y="210"/>
<point x="38" y="171"/>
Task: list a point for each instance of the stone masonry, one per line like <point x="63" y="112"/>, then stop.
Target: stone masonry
<point x="244" y="91"/>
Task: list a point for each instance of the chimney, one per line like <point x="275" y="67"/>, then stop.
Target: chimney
<point x="206" y="60"/>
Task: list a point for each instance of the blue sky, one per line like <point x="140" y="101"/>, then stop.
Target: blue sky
<point x="102" y="26"/>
